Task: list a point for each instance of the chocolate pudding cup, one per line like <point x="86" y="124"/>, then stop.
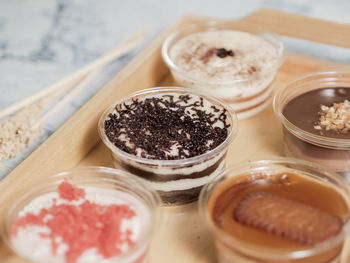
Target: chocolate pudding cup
<point x="105" y="186"/>
<point x="298" y="108"/>
<point x="231" y="60"/>
<point x="178" y="178"/>
<point x="293" y="182"/>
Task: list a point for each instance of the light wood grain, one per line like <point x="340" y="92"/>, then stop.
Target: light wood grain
<point x="302" y="27"/>
<point x="182" y="236"/>
<point x="69" y="96"/>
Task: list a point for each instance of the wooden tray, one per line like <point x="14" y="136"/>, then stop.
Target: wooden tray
<point x="182" y="236"/>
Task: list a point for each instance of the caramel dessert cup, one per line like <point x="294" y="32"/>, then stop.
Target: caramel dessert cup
<point x="315" y="113"/>
<point x="277" y="211"/>
<point x="231" y="60"/>
<point x="174" y="138"/>
<point x="88" y="215"/>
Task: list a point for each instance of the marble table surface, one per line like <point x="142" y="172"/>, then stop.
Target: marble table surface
<point x="43" y="40"/>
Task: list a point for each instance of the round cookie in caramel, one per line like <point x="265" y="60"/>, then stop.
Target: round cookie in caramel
<point x="281" y="211"/>
<point x="263" y="210"/>
<point x="175" y="139"/>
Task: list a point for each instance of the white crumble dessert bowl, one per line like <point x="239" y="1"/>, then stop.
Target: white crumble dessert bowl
<point x="174" y="138"/>
<point x="231" y="60"/>
<point x="87" y="215"/>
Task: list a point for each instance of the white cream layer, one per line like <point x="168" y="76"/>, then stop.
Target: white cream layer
<point x="228" y="77"/>
<point x="252" y="102"/>
<point x="168" y="171"/>
<point x="181" y="184"/>
<point x="186" y="184"/>
<point x="29" y="244"/>
<point x="252" y="54"/>
<point x="240" y="89"/>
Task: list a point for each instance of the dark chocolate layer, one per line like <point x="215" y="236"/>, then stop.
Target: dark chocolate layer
<point x="164" y="178"/>
<point x="180" y="197"/>
<point x="303" y="111"/>
<point x="337" y="160"/>
<point x="232" y="195"/>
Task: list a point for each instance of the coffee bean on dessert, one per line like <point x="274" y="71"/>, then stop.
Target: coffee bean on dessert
<point x="222" y="52"/>
<point x="286" y="218"/>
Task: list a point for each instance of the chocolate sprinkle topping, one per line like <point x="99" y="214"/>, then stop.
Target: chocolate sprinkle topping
<point x="222" y="52"/>
<point x="155" y="125"/>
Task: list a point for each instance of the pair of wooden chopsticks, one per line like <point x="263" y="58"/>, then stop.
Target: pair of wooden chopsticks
<point x="77" y="80"/>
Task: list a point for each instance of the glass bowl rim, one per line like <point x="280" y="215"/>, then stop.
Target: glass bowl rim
<point x="259" y="250"/>
<point x="213" y="24"/>
<point x="39" y="185"/>
<point x="171" y="163"/>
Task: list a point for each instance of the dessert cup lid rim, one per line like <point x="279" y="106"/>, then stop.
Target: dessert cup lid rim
<point x="323" y="141"/>
<point x="164" y="163"/>
<point x="255" y="249"/>
<point x="38" y="184"/>
<point x="211" y="24"/>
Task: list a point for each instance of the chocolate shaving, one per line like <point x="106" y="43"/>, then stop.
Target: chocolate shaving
<point x="251" y="70"/>
<point x="286" y="218"/>
<point x="158" y="124"/>
<point x="205" y="58"/>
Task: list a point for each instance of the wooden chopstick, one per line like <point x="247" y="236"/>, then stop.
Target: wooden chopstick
<point x="82" y="84"/>
<point x="51" y="97"/>
<point x="125" y="46"/>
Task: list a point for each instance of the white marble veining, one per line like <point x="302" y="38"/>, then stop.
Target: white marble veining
<point x="43" y="40"/>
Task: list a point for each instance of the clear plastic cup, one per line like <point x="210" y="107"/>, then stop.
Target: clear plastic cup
<point x="232" y="248"/>
<point x="177" y="181"/>
<point x="333" y="153"/>
<point x="247" y="95"/>
<point x="109" y="184"/>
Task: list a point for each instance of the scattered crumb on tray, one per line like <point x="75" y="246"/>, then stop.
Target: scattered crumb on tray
<point x="18" y="131"/>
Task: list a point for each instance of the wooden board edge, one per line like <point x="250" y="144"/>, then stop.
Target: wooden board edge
<point x="302" y="27"/>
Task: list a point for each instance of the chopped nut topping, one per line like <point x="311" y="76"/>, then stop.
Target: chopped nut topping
<point x="335" y="118"/>
<point x="19" y="130"/>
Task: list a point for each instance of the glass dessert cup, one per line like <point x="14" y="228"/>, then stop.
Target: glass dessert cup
<point x="178" y="181"/>
<point x="301" y="140"/>
<point x="247" y="93"/>
<point x="281" y="177"/>
<point x="113" y="187"/>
